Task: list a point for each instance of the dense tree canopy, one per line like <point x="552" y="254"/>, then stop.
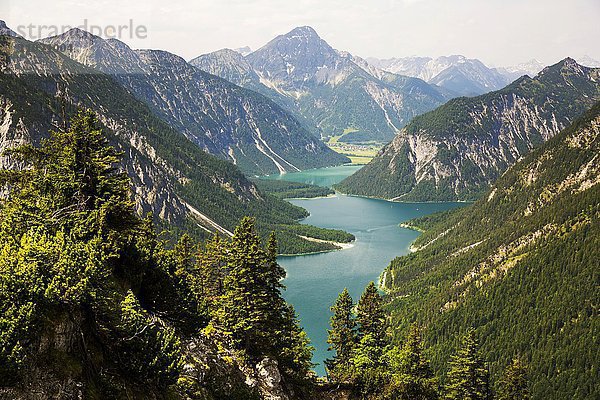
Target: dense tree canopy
<point x="73" y="249"/>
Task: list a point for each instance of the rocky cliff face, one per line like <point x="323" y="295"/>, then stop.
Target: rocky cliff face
<point x="458" y="150"/>
<point x="223" y="119"/>
<point x="331" y="90"/>
<point x="59" y="370"/>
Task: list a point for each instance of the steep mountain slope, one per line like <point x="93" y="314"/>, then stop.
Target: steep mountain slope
<point x="300" y="71"/>
<point x="520" y="266"/>
<point x="233" y="67"/>
<point x="224" y="119"/>
<point x="458" y="74"/>
<point x="172" y="177"/>
<point x="456" y="151"/>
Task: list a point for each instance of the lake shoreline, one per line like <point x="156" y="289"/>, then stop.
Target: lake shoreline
<point x="403" y="202"/>
<point x="341" y="246"/>
<point x="314" y="282"/>
<point x="310" y="198"/>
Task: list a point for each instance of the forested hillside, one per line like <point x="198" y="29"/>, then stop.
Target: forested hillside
<point x="520" y="266"/>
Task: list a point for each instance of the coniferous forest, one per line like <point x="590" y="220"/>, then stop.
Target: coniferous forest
<point x="89" y="290"/>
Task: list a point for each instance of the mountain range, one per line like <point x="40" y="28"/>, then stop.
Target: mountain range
<point x="223" y="119"/>
<point x="456" y="151"/>
<point x="172" y="177"/>
<point x="530" y="68"/>
<point x="337" y="93"/>
<point x="520" y="266"/>
<point x="458" y="74"/>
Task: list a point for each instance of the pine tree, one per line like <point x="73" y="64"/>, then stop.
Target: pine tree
<point x="210" y="271"/>
<point x="295" y="355"/>
<point x="370" y="315"/>
<point x="342" y="337"/>
<point x="513" y="384"/>
<point x="468" y="378"/>
<point x="370" y="372"/>
<point x="273" y="274"/>
<point x="252" y="310"/>
<point x="244" y="301"/>
<point x="185" y="255"/>
<point x="412" y="376"/>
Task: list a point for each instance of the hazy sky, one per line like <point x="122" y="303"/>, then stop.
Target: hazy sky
<point x="499" y="32"/>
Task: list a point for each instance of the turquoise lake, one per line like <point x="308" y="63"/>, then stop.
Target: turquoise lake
<point x="314" y="281"/>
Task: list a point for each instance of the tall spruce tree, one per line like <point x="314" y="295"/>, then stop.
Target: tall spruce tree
<point x="295" y="351"/>
<point x="342" y="337"/>
<point x="412" y="377"/>
<point x="210" y="271"/>
<point x="370" y="372"/>
<point x="513" y="384"/>
<point x="370" y="315"/>
<point x="273" y="274"/>
<point x="245" y="302"/>
<point x="252" y="309"/>
<point x="468" y="378"/>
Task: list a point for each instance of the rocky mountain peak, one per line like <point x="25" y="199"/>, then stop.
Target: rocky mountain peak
<point x="81" y="35"/>
<point x="302" y="41"/>
<point x="106" y="55"/>
<point x="295" y="58"/>
<point x="304" y="32"/>
<point x="565" y="68"/>
<point x="569" y="63"/>
<point x="226" y="63"/>
<point x="225" y="55"/>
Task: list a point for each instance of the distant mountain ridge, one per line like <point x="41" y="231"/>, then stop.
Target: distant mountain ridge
<point x="226" y="120"/>
<point x="456" y="151"/>
<point x="463" y="76"/>
<point x="530" y="68"/>
<point x="326" y="87"/>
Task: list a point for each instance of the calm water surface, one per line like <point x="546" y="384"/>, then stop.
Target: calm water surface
<point x="314" y="281"/>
